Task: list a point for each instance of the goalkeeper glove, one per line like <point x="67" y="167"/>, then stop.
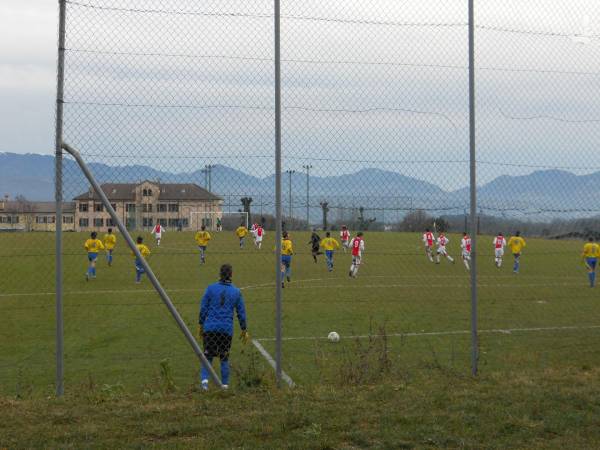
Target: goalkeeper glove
<point x="200" y="331"/>
<point x="245" y="337"/>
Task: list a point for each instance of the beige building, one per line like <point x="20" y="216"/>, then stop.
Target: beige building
<point x="23" y="215"/>
<point x="141" y="206"/>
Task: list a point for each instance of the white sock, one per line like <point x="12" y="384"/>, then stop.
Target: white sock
<point x="466" y="264"/>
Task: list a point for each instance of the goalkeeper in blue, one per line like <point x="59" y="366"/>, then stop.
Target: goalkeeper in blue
<point x="215" y="326"/>
<point x="590" y="255"/>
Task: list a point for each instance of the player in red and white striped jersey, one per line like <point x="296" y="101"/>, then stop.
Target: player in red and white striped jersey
<point x="259" y="232"/>
<point x="442" y="241"/>
<point x="357" y="246"/>
<point x="465" y="245"/>
<point x="428" y="240"/>
<point x="345" y="238"/>
<point x="499" y="243"/>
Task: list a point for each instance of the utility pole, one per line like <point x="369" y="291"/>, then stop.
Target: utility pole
<point x="290" y="173"/>
<point x="208" y="176"/>
<point x="308" y="167"/>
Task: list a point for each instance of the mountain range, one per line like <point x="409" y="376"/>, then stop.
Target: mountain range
<point x="549" y="191"/>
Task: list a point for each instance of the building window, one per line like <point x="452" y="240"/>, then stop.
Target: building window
<point x="5" y="219"/>
<point x="15" y="219"/>
<point x="40" y="219"/>
<point x="162" y="222"/>
<point x="84" y="223"/>
<point x="147" y="222"/>
<point x="147" y="192"/>
<point x="130" y="224"/>
<point x="130" y="207"/>
<point x="68" y="219"/>
<point x="98" y="223"/>
<point x="114" y="206"/>
<point x="173" y="223"/>
<point x="184" y="222"/>
<point x="83" y="207"/>
<point x="161" y="208"/>
<point x="110" y="223"/>
<point x="98" y="207"/>
<point x="51" y="219"/>
<point x="173" y="207"/>
<point x="147" y="207"/>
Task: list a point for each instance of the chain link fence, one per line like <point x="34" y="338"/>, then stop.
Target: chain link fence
<point x="171" y="105"/>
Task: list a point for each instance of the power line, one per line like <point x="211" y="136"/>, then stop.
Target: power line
<point x="377" y="109"/>
<point x="333" y="61"/>
<point x="269" y="16"/>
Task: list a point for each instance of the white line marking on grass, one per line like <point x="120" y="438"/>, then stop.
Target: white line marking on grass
<point x="441" y="333"/>
<point x="351" y="284"/>
<point x="272" y="363"/>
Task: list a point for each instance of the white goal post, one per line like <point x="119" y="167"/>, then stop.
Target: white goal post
<point x="229" y="220"/>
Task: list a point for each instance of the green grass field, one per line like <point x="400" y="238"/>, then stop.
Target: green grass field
<point x="402" y="321"/>
<point x="118" y="332"/>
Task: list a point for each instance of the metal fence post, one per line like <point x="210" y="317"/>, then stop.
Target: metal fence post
<point x="473" y="191"/>
<point x="278" y="218"/>
<point x="60" y="81"/>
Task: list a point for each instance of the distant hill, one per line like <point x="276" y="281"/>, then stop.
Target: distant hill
<point x="32" y="176"/>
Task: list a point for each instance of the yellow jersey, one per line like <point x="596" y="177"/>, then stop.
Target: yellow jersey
<point x="591" y="250"/>
<point x="241" y="232"/>
<point x="330" y="243"/>
<point x="516" y="244"/>
<point x="286" y="247"/>
<point x="93" y="245"/>
<point x="110" y="240"/>
<point x="202" y="238"/>
<point x="144" y="250"/>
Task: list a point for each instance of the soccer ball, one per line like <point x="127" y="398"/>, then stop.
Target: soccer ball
<point x="333" y="337"/>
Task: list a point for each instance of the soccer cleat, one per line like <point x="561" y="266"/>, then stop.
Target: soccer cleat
<point x="204" y="385"/>
<point x="289" y="279"/>
<point x="225" y="386"/>
<point x="350" y="274"/>
<point x="282" y="285"/>
<point x="87" y="277"/>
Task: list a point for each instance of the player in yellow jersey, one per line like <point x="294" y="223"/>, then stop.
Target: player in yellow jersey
<point x="110" y="241"/>
<point x="516" y="244"/>
<point x="139" y="268"/>
<point x="241" y="232"/>
<point x="287" y="250"/>
<point x="590" y="255"/>
<point x="202" y="237"/>
<point x="92" y="246"/>
<point x="329" y="244"/>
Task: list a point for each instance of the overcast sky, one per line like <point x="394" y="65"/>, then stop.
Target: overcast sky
<point x="361" y="88"/>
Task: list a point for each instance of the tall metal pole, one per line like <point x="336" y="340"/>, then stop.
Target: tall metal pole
<point x="60" y="82"/>
<point x="278" y="218"/>
<point x="308" y="167"/>
<point x="473" y="187"/>
<point x="290" y="212"/>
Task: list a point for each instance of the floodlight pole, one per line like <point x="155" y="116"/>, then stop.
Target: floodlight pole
<point x="58" y="168"/>
<point x="278" y="218"/>
<point x="307" y="167"/>
<point x="473" y="191"/>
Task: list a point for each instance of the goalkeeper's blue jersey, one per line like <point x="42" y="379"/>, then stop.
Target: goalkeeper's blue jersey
<point x="217" y="307"/>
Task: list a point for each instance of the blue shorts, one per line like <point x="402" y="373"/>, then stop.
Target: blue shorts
<point x="138" y="266"/>
<point x="286" y="260"/>
<point x="591" y="262"/>
<point x="92" y="256"/>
